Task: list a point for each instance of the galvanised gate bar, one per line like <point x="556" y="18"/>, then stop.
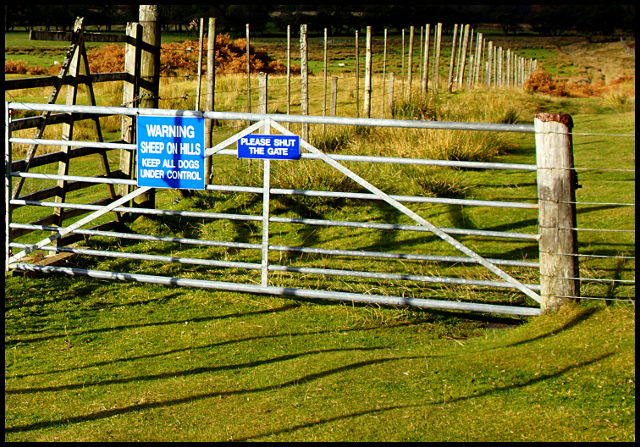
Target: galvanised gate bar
<point x="18" y="251"/>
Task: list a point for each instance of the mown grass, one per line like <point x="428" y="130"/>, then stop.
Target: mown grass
<point x="91" y="360"/>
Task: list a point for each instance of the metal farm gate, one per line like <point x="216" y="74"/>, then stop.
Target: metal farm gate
<point x="21" y="235"/>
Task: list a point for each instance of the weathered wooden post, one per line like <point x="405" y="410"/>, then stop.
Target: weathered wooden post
<point x="453" y="56"/>
<point x="410" y="62"/>
<point x="334" y="96"/>
<point x="384" y="72"/>
<point x="357" y="77"/>
<point x="211" y="90"/>
<point x="262" y="92"/>
<point x="324" y="75"/>
<point x="200" y="50"/>
<point x="304" y="90"/>
<point x="463" y="56"/>
<point x="402" y="67"/>
<point x="288" y="69"/>
<point x="367" y="75"/>
<point x="248" y="69"/>
<point x="557" y="182"/>
<point x="488" y="73"/>
<point x="76" y="67"/>
<point x="425" y="61"/>
<point x="390" y="94"/>
<point x="130" y="93"/>
<point x="436" y="57"/>
<point x="150" y="72"/>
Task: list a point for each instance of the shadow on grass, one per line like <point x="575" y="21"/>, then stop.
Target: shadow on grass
<point x="505" y="388"/>
<point x="186" y="372"/>
<point x="149" y="324"/>
<point x="583" y="315"/>
<point x="162" y="404"/>
<point x="203" y="347"/>
<point x="135" y="408"/>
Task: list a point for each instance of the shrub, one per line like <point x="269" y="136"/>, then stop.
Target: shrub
<point x="15" y="67"/>
<point x="20" y="67"/>
<point x="541" y="81"/>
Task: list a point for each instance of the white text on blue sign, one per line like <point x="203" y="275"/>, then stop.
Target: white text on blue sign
<point x="170" y="152"/>
<point x="273" y="147"/>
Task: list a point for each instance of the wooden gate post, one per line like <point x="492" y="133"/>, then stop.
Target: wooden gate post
<point x="557" y="183"/>
<point x="130" y="93"/>
<point x="150" y="73"/>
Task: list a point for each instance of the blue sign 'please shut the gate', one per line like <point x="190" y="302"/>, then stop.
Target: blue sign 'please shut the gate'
<point x="273" y="147"/>
<point x="170" y="152"/>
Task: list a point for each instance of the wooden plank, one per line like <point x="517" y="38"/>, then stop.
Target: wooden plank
<point x="57" y="81"/>
<point x="39" y="259"/>
<point x="71" y="186"/>
<point x="53" y="157"/>
<point x="58" y="118"/>
<point x="62" y="258"/>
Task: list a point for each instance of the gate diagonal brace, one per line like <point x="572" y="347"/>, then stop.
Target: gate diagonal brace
<point x="417" y="218"/>
<point x="78" y="224"/>
<point x="232" y="139"/>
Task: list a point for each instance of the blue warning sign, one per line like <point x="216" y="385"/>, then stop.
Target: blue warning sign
<point x="170" y="152"/>
<point x="273" y="147"/>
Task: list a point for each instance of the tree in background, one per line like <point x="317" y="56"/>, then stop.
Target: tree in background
<point x="340" y="18"/>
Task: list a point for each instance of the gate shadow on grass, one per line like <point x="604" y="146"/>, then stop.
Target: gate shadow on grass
<point x="203" y="347"/>
<point x="149" y="324"/>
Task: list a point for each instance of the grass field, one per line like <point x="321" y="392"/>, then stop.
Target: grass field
<point x="91" y="360"/>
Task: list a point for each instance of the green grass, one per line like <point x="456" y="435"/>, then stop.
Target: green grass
<point x="92" y="361"/>
<point x="87" y="359"/>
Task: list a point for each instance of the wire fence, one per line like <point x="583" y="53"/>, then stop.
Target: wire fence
<point x="605" y="208"/>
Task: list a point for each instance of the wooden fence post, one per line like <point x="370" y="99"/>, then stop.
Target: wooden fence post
<point x="324" y="75"/>
<point x="263" y="92"/>
<point x="556" y="180"/>
<point x="150" y="71"/>
<point x="453" y="57"/>
<point x="463" y="56"/>
<point x="402" y="66"/>
<point x="488" y="72"/>
<point x="436" y="56"/>
<point x="357" y="77"/>
<point x="288" y="69"/>
<point x="384" y="72"/>
<point x="200" y="50"/>
<point x="248" y="70"/>
<point x="390" y="96"/>
<point x="367" y="75"/>
<point x="499" y="75"/>
<point x="425" y="60"/>
<point x="130" y="93"/>
<point x="304" y="91"/>
<point x="209" y="104"/>
<point x="334" y="96"/>
<point x="410" y="62"/>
